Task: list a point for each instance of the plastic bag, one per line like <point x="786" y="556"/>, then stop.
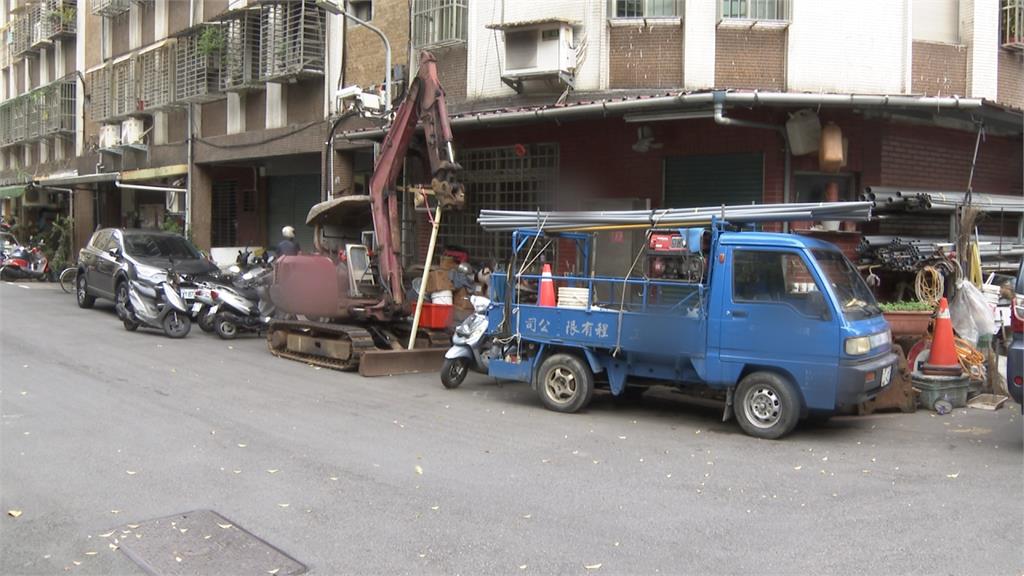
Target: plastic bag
<point x="970" y="313"/>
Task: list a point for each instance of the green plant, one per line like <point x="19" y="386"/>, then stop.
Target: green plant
<point x="211" y="41"/>
<point x="57" y="240"/>
<point x="171" y="224"/>
<point x="63" y="15"/>
<point x="906" y="306"/>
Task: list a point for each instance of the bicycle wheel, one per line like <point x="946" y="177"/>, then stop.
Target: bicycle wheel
<point x="67" y="280"/>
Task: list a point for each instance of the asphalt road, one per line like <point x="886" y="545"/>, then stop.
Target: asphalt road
<point x="101" y="427"/>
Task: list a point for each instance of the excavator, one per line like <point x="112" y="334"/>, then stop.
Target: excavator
<point x="346" y="307"/>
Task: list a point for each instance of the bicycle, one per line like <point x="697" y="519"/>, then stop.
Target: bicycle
<point x="67" y="280"/>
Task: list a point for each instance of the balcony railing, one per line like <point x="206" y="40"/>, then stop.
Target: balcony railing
<point x="98" y="83"/>
<point x="198" y="59"/>
<point x="771" y="11"/>
<point x="20" y="34"/>
<point x="156" y="66"/>
<point x="292" y="40"/>
<point x="241" y="61"/>
<point x="109" y="8"/>
<point x="437" y="23"/>
<point x="124" y="90"/>
<point x="43" y="112"/>
<point x="59" y="18"/>
<point x="1011" y="24"/>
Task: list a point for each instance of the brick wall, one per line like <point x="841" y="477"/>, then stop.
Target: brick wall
<point x="645" y="56"/>
<point x="939" y="69"/>
<point x="365" y="65"/>
<point x="451" y="71"/>
<point x="750" y="59"/>
<point x="939" y="159"/>
<point x="1011" y="79"/>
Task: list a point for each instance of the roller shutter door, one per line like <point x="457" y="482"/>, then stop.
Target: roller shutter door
<point x="713" y="180"/>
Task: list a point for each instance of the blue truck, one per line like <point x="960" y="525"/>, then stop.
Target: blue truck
<point x="781" y="325"/>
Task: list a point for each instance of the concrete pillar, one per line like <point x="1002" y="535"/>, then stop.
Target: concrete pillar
<point x="236" y="113"/>
<point x="202" y="207"/>
<point x="161" y="22"/>
<point x="159" y="128"/>
<point x="44" y="66"/>
<point x="79" y="86"/>
<point x="979" y="30"/>
<point x="699" y="29"/>
<point x="343" y="174"/>
<point x="134" y="27"/>
<point x="277" y="105"/>
<point x="333" y="53"/>
<point x="85" y="218"/>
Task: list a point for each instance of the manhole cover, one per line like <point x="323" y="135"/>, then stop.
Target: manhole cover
<point x="202" y="542"/>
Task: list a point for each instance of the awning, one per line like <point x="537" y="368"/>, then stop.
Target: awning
<point x="12" y="191"/>
<point x="154" y="173"/>
<point x="82" y="179"/>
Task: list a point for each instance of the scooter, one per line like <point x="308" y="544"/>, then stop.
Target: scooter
<point x="471" y="346"/>
<point x="25" y="263"/>
<point x="157" y="306"/>
<point x="246" y="306"/>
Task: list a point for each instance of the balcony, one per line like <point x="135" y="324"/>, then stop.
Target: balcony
<point x="20" y="35"/>
<point x="241" y="70"/>
<point x="754" y="13"/>
<point x="198" y="58"/>
<point x="292" y="40"/>
<point x="109" y="8"/>
<point x="58" y="18"/>
<point x="1011" y="24"/>
<point x="439" y="23"/>
<point x="98" y="84"/>
<point x="156" y="67"/>
<point x="43" y="112"/>
<point x="124" y="92"/>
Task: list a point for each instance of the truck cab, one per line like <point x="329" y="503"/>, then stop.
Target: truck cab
<point x="782" y="325"/>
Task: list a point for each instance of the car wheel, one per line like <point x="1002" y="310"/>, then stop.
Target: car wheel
<point x="565" y="383"/>
<point x="766" y="405"/>
<point x="121" y="296"/>
<point x="82" y="292"/>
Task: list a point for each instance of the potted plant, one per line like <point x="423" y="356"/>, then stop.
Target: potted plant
<point x="907" y="318"/>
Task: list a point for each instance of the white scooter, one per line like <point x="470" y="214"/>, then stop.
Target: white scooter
<point x="471" y="346"/>
<point x="157" y="306"/>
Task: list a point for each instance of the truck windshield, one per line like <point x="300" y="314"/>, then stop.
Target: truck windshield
<point x="853" y="294"/>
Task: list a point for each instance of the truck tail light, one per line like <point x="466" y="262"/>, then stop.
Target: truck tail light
<point x="1018" y="381"/>
<point x="1017" y="315"/>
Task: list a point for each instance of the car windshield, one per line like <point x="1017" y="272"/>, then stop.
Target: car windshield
<point x="853" y="294"/>
<point x="159" y="246"/>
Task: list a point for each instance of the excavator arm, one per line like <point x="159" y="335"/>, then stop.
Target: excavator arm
<point x="424" y="102"/>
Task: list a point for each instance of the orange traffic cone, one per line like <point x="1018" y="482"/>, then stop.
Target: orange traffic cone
<point x="547" y="287"/>
<point x="943" y="359"/>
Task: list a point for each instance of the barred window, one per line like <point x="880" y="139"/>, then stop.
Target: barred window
<point x="755" y="9"/>
<point x="438" y="22"/>
<point x="644" y="8"/>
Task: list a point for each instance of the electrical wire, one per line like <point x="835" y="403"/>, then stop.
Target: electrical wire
<point x="275" y="138"/>
<point x="929" y="285"/>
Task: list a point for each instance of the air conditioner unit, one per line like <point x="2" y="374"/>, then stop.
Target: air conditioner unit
<point x="538" y="50"/>
<point x="110" y="136"/>
<point x="36" y="198"/>
<point x="132" y="131"/>
<point x="175" y="202"/>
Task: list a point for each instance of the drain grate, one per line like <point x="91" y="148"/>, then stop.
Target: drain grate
<point x="199" y="543"/>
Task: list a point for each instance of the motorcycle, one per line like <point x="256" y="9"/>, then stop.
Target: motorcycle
<point x="158" y="306"/>
<point x="471" y="346"/>
<point x="244" y="306"/>
<point x="21" y="263"/>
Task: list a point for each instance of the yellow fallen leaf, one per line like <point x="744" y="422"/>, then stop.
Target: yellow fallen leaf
<point x="334" y="478"/>
<point x="283" y="505"/>
<point x="237" y="471"/>
<point x="435" y="507"/>
<point x="115" y="511"/>
<point x="419" y="469"/>
<point x="208" y="536"/>
<point x="953" y="476"/>
<point x="112" y="546"/>
<point x="522" y="566"/>
<point x="178" y="558"/>
<point x="133" y="526"/>
<point x="14" y="513"/>
<point x="182" y="530"/>
<point x="242" y="445"/>
<point x="224" y="526"/>
<point x="130" y="472"/>
<point x="274" y="571"/>
<point x="592" y="566"/>
<point x="76" y="562"/>
<point x="90" y="553"/>
<point x="107" y="535"/>
<point x="272" y="471"/>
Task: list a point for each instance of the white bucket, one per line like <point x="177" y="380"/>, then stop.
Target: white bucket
<point x="441" y="297"/>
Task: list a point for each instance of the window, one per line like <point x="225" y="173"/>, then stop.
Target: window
<point x="362" y="9"/>
<point x="160" y="246"/>
<point x="644" y="8"/>
<point x="1011" y="24"/>
<point x="763" y="276"/>
<point x="438" y="22"/>
<point x="755" y="10"/>
<point x="855" y="298"/>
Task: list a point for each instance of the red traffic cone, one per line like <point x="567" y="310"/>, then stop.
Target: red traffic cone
<point x="943" y="359"/>
<point x="547" y="287"/>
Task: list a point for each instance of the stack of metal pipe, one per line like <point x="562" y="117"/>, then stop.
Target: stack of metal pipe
<point x="886" y="198"/>
<point x="502" y="220"/>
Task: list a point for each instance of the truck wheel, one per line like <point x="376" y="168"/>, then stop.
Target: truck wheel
<point x="766" y="405"/>
<point x="565" y="383"/>
<point x="454" y="371"/>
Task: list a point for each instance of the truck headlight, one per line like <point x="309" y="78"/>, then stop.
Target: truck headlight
<point x="863" y="344"/>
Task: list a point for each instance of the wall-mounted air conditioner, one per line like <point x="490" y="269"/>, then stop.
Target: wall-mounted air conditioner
<point x="132" y="132"/>
<point x="538" y="50"/>
<point x="36" y="198"/>
<point x="110" y="136"/>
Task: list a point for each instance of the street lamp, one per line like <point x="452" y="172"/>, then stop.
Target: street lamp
<point x="337" y="7"/>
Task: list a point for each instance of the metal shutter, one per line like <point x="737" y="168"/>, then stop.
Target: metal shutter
<point x="713" y="180"/>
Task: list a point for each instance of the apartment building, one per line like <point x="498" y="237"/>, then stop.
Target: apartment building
<point x="213" y="115"/>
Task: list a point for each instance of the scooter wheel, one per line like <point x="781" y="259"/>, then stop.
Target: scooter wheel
<point x="129" y="325"/>
<point x="454" y="371"/>
<point x="226" y="329"/>
<point x="205" y="321"/>
<point x="176" y="325"/>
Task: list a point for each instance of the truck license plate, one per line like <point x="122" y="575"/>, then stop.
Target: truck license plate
<point x="886" y="375"/>
<point x="188" y="293"/>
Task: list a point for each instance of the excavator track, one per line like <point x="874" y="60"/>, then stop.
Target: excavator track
<point x="349" y="347"/>
<point x="309" y="339"/>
